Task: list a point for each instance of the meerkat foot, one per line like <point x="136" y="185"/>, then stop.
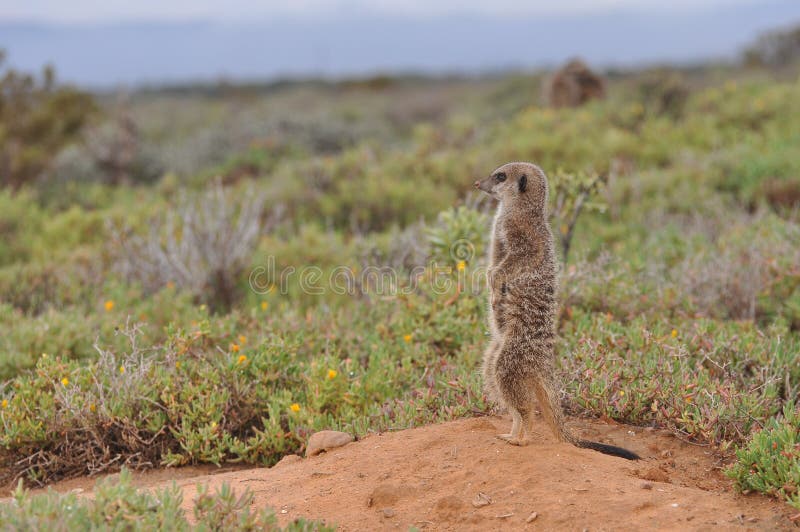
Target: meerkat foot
<point x="514" y="440"/>
<point x="516" y="427"/>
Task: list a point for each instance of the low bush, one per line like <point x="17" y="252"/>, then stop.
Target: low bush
<point x="120" y="506"/>
<point x="202" y="246"/>
<point x="711" y="382"/>
<point x="208" y="395"/>
<point x="770" y="462"/>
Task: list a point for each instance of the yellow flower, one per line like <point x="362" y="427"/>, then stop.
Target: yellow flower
<point x="5" y="403"/>
<point x="235" y="348"/>
<point x="332" y="373"/>
<point x="622" y="393"/>
<point x="242" y="339"/>
<point x="674" y="333"/>
<point x="65" y="381"/>
<point x="294" y="407"/>
<point x="407" y="338"/>
<point x="92" y="407"/>
<point x="461" y="266"/>
<point x="213" y="424"/>
<point x="264" y="305"/>
<point x="242" y="358"/>
<point x="178" y="364"/>
<point x="121" y="370"/>
<point x="109" y="305"/>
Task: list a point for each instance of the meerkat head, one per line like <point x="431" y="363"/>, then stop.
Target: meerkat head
<point x="522" y="183"/>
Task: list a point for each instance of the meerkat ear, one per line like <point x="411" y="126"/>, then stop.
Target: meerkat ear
<point x="523" y="183"/>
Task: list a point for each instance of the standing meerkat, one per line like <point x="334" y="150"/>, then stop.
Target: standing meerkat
<point x="519" y="362"/>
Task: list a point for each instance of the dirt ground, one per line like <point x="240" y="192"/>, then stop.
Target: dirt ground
<point x="441" y="477"/>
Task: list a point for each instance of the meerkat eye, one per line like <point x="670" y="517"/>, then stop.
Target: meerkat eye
<point x="500" y="176"/>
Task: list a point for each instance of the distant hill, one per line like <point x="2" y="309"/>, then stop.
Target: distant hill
<point x="155" y="52"/>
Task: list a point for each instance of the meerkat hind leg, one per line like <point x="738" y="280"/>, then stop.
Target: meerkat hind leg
<point x="519" y="429"/>
<point x="521" y="408"/>
<point x="489" y="378"/>
<point x="515" y="387"/>
<point x="516" y="427"/>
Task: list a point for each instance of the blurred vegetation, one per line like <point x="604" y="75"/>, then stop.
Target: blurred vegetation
<point x="138" y="326"/>
<point x="778" y="48"/>
<point x="37" y="119"/>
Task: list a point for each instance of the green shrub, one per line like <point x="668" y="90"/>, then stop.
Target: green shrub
<point x="459" y="234"/>
<point x="119" y="506"/>
<point x="210" y="394"/>
<point x="770" y="462"/>
<point x="698" y="377"/>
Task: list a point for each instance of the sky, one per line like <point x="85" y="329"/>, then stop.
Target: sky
<point x="113" y="43"/>
<point x="93" y="11"/>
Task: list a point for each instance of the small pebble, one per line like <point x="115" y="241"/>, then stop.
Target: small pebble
<point x="325" y="440"/>
<point x="531" y="518"/>
<point x="481" y="499"/>
<point x="388" y="512"/>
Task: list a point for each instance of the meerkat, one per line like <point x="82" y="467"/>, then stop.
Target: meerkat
<point x="519" y="362"/>
<point x="573" y="85"/>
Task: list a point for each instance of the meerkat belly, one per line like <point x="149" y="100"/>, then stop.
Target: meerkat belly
<point x="501" y="303"/>
<point x="530" y="307"/>
<point x="498" y="318"/>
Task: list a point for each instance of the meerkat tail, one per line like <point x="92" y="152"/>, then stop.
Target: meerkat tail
<point x="612" y="450"/>
<point x="551" y="410"/>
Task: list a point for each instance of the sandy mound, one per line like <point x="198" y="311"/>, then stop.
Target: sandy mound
<point x="458" y="476"/>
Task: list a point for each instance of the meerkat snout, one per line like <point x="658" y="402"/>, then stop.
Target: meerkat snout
<point x="492" y="184"/>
